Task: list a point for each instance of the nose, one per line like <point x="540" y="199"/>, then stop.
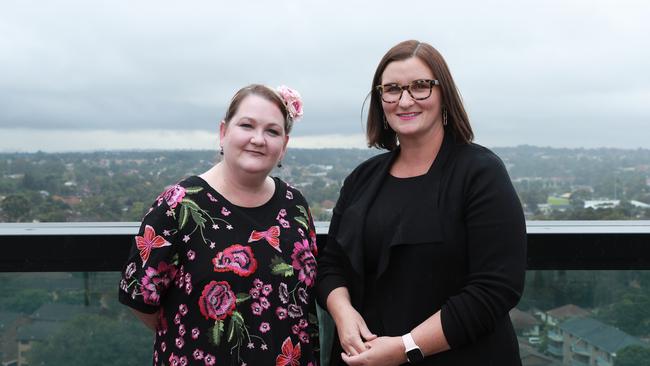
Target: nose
<point x="258" y="138"/>
<point x="405" y="99"/>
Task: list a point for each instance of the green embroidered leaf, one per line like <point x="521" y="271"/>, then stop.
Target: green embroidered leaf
<point x="182" y="220"/>
<point x="242" y="296"/>
<point x="279" y="267"/>
<point x="302" y="221"/>
<point x="191" y="204"/>
<point x="236" y="326"/>
<point x="217" y="332"/>
<point x="303" y="211"/>
<point x="192" y="190"/>
<point x="198" y="218"/>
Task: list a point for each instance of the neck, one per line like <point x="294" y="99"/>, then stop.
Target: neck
<point x="418" y="153"/>
<point x="239" y="188"/>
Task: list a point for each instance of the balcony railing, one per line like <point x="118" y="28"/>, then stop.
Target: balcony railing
<point x="80" y="247"/>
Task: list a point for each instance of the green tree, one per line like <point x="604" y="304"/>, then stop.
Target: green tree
<point x="95" y="340"/>
<point x="15" y="207"/>
<point x="633" y="356"/>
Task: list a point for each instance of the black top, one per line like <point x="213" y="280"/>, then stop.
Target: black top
<point x="383" y="217"/>
<point x="459" y="248"/>
<point x="234" y="284"/>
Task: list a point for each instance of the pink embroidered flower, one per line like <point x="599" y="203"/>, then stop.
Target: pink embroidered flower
<point x="236" y="258"/>
<point x="256" y="308"/>
<point x="224" y="211"/>
<point x="182" y="308"/>
<point x="173" y="360"/>
<point x="264" y="303"/>
<point x="181" y="330"/>
<point x="173" y="195"/>
<point x="195" y="333"/>
<point x="283" y="293"/>
<point x="177" y="319"/>
<point x="188" y="287"/>
<point x="211" y="197"/>
<point x="266" y="289"/>
<point x="292" y="100"/>
<point x="255" y="293"/>
<point x="156" y="281"/>
<point x="284" y="223"/>
<point x="295" y="311"/>
<point x="265" y="327"/>
<point x="217" y="300"/>
<point x="304" y="337"/>
<point x="302" y="323"/>
<point x="209" y="360"/>
<point x="191" y="255"/>
<point x="304" y="262"/>
<point x="281" y="313"/>
<point x="183" y="361"/>
<point x="258" y="283"/>
<point x="282" y="213"/>
<point x="163" y="346"/>
<point x="290" y="355"/>
<point x="197" y="354"/>
<point x="180" y="342"/>
<point x="295" y="329"/>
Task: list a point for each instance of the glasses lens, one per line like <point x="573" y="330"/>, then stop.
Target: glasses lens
<point x="420" y="89"/>
<point x="391" y="92"/>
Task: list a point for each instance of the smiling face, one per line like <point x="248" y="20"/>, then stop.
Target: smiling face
<point x="254" y="140"/>
<point x="410" y="118"/>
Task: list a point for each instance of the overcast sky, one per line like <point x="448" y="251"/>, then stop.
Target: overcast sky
<point x="79" y="75"/>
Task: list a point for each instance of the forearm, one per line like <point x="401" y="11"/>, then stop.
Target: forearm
<point x="429" y="336"/>
<point x="338" y="302"/>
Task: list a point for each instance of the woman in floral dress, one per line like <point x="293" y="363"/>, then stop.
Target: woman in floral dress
<point x="223" y="267"/>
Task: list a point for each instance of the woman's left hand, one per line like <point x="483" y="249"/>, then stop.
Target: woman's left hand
<point x="382" y="351"/>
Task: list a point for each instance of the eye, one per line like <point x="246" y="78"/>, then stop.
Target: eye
<point x="420" y="85"/>
<point x="273" y="132"/>
<point x="392" y="89"/>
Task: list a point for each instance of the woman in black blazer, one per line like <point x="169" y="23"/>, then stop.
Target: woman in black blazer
<point x="427" y="246"/>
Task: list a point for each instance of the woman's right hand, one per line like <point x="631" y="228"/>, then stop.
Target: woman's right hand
<point x="352" y="329"/>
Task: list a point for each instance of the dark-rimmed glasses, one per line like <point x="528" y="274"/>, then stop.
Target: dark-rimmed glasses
<point x="418" y="90"/>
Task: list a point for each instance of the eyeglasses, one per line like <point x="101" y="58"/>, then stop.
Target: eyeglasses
<point x="418" y="90"/>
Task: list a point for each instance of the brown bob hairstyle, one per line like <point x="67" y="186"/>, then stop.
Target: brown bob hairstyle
<point x="457" y="118"/>
<point x="264" y="92"/>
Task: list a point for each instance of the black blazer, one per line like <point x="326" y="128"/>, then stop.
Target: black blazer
<point x="460" y="249"/>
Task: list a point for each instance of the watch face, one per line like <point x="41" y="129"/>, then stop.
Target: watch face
<point x="414" y="355"/>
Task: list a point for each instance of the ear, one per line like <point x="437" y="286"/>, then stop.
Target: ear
<point x="222" y="131"/>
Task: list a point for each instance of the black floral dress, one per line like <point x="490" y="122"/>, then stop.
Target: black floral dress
<point x="234" y="284"/>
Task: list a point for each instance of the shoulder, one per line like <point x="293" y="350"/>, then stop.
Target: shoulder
<point x="477" y="158"/>
<point x="368" y="168"/>
<point x="288" y="191"/>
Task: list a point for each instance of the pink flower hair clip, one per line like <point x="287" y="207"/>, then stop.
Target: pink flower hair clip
<point x="292" y="100"/>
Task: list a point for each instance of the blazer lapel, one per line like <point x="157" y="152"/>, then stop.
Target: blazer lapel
<point x="351" y="227"/>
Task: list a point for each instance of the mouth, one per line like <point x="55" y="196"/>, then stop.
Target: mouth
<point x="257" y="153"/>
<point x="408" y="116"/>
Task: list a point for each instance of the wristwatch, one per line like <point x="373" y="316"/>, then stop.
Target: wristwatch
<point x="413" y="353"/>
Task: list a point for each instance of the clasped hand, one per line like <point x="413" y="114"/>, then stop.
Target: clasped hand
<point x="362" y="347"/>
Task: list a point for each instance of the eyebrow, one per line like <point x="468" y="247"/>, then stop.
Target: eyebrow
<point x="256" y="121"/>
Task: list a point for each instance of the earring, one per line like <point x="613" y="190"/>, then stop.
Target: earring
<point x="385" y="123"/>
<point x="280" y="164"/>
<point x="444" y="116"/>
<point x="221" y="151"/>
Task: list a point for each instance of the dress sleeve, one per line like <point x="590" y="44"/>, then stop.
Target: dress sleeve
<point x="151" y="265"/>
<point x="331" y="256"/>
<point x="496" y="254"/>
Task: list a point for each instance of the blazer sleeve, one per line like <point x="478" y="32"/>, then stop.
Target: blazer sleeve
<point x="331" y="256"/>
<point x="496" y="253"/>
